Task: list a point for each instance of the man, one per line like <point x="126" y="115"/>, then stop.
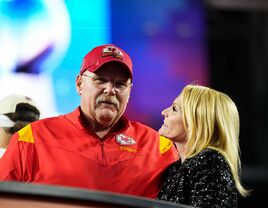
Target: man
<point x="95" y="146"/>
<point x="16" y="111"/>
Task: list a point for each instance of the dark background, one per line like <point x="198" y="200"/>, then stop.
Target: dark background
<point x="238" y="56"/>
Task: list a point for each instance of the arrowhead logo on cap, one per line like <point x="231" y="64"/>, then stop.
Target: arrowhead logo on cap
<point x="112" y="51"/>
<point x="100" y="55"/>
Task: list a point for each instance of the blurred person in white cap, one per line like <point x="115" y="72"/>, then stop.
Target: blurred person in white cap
<point x="16" y="111"/>
<point x="95" y="146"/>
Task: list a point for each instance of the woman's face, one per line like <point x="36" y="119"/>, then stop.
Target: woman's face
<point x="173" y="127"/>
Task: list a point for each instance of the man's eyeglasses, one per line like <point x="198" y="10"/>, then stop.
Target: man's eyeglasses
<point x="100" y="82"/>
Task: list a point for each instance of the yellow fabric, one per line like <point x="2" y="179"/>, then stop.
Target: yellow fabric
<point x="26" y="135"/>
<point x="165" y="144"/>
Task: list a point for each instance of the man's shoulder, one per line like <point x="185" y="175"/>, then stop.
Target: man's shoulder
<point x="38" y="131"/>
<point x="49" y="121"/>
<point x="41" y="126"/>
<point x="58" y="119"/>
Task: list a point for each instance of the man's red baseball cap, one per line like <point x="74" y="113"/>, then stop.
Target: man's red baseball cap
<point x="103" y="54"/>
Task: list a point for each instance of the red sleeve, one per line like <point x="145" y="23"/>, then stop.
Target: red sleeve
<point x="17" y="162"/>
<point x="10" y="164"/>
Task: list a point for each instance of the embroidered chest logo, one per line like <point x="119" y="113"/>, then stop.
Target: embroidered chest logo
<point x="123" y="139"/>
<point x="112" y="51"/>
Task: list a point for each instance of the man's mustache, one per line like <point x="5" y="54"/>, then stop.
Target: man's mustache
<point x="108" y="99"/>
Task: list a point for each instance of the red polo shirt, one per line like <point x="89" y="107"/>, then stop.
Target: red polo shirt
<point x="62" y="151"/>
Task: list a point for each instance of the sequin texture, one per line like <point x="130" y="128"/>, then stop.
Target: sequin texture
<point x="204" y="181"/>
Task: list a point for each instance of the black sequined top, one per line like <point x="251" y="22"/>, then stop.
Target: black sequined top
<point x="204" y="181"/>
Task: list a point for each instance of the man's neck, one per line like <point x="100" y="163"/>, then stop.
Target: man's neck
<point x="101" y="130"/>
<point x="103" y="133"/>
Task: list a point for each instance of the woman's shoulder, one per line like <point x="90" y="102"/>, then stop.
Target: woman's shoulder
<point x="208" y="160"/>
<point x="208" y="152"/>
<point x="209" y="156"/>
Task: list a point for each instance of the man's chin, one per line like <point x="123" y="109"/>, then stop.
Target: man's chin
<point x="107" y="120"/>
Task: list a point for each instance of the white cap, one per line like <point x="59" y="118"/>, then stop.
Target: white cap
<point x="9" y="103"/>
<point x="5" y="121"/>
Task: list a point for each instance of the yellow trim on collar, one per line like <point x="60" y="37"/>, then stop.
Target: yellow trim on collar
<point x="164" y="145"/>
<point x="26" y="135"/>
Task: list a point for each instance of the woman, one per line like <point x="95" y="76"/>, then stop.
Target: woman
<point x="204" y="124"/>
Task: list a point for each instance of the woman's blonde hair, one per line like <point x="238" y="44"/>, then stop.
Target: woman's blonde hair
<point x="211" y="120"/>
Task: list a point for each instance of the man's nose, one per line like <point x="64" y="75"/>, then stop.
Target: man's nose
<point x="110" y="88"/>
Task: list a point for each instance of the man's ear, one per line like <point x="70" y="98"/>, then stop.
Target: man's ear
<point x="79" y="84"/>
